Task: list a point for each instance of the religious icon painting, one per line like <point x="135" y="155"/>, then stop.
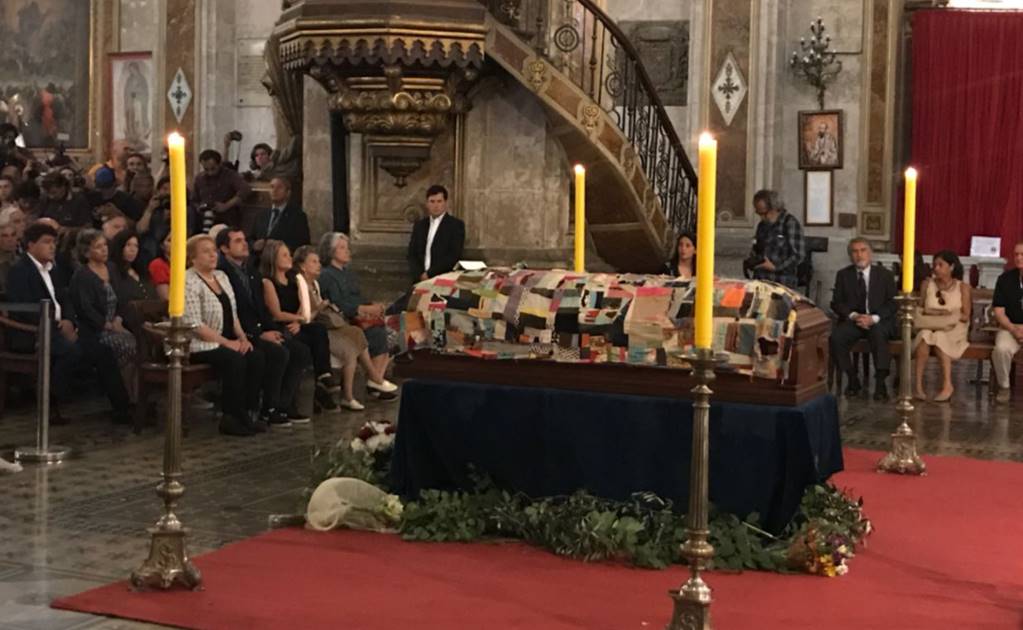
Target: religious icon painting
<point x="820" y="139"/>
<point x="131" y="100"/>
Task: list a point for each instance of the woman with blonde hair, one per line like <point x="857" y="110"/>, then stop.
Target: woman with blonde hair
<point x="348" y="343"/>
<point x="219" y="340"/>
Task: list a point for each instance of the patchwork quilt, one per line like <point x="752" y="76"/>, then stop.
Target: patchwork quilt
<point x="558" y="315"/>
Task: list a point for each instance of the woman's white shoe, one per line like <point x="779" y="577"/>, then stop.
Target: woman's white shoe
<point x="352" y="405"/>
<point x="384" y="386"/>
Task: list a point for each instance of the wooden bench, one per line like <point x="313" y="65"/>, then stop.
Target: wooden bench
<point x="15" y="362"/>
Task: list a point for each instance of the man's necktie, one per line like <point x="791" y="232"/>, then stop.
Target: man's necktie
<point x="275" y="213"/>
<point x="861" y="287"/>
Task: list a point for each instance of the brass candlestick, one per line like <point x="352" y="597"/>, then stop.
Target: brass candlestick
<point x="168" y="563"/>
<point x="902" y="458"/>
<point x="692" y="601"/>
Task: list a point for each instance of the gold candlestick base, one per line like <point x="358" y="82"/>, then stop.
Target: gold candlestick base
<point x="168" y="564"/>
<point x="692" y="601"/>
<point x="902" y="459"/>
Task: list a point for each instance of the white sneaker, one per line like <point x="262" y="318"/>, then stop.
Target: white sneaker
<point x="384" y="386"/>
<point x="352" y="405"/>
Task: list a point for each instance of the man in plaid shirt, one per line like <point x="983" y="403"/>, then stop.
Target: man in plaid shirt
<point x="778" y="247"/>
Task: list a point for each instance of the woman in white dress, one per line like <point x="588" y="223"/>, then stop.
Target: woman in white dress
<point x="943" y="323"/>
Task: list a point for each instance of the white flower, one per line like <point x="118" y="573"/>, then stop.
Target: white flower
<point x="391" y="508"/>
<point x="357" y="445"/>
<point x="841" y="569"/>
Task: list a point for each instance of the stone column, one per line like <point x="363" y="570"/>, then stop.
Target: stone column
<point x="181" y="30"/>
<point x="317" y="176"/>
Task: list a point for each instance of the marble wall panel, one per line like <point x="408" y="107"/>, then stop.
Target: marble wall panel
<point x="139" y="24"/>
<point x="317" y="186"/>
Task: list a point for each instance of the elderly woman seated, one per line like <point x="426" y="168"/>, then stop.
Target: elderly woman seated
<point x="340" y="286"/>
<point x="219" y="340"/>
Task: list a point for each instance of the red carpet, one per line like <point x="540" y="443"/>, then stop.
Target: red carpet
<point x="947" y="553"/>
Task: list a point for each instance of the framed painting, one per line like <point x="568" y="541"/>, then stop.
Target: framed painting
<point x="46" y="70"/>
<point x="820" y="195"/>
<point x="820" y="139"/>
<point x="131" y="95"/>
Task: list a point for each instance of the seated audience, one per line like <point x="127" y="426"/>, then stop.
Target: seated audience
<point x="280" y="292"/>
<point x="287" y="358"/>
<point x="7" y="186"/>
<point x="8" y="253"/>
<point x="131" y="278"/>
<point x="683" y="259"/>
<point x="944" y="321"/>
<point x="29" y="198"/>
<point x="220" y="190"/>
<point x="66" y="261"/>
<point x="340" y="286"/>
<point x="117" y="164"/>
<point x="142" y="188"/>
<point x="113" y="222"/>
<point x="864" y="301"/>
<point x="437" y="239"/>
<point x="30" y="281"/>
<point x="1008" y="310"/>
<point x="13" y="216"/>
<point x="159" y="269"/>
<point x="219" y="340"/>
<point x="106" y="192"/>
<point x="347" y="343"/>
<point x="283" y="221"/>
<point x="99" y="315"/>
<point x="67" y="208"/>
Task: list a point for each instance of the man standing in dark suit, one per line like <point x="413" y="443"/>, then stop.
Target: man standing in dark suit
<point x="283" y="221"/>
<point x="30" y="281"/>
<point x="287" y="358"/>
<point x="864" y="300"/>
<point x="437" y="239"/>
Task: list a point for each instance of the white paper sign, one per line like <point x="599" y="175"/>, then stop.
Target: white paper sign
<point x="470" y="265"/>
<point x="985" y="246"/>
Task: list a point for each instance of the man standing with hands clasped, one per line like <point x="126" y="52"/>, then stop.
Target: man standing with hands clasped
<point x="864" y="301"/>
<point x="437" y="239"/>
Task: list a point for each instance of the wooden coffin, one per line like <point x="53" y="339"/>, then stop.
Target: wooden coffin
<point x="807" y="373"/>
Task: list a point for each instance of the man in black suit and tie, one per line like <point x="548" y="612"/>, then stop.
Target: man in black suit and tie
<point x="283" y="221"/>
<point x="30" y="281"/>
<point x="437" y="239"/>
<point x="864" y="300"/>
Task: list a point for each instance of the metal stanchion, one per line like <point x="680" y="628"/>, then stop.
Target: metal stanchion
<point x="43" y="451"/>
<point x="168" y="563"/>
<point x="902" y="458"/>
<point x="692" y="601"/>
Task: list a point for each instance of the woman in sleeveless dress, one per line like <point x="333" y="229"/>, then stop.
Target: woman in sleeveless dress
<point x="943" y="324"/>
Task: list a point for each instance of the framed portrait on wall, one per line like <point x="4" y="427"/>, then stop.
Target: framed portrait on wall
<point x="131" y="99"/>
<point x="45" y="75"/>
<point x="820" y="139"/>
<point x="819" y="197"/>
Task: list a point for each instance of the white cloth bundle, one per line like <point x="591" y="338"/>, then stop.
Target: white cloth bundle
<point x="352" y="503"/>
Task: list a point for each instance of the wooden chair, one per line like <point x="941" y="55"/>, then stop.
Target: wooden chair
<point x="152" y="373"/>
<point x="15" y="362"/>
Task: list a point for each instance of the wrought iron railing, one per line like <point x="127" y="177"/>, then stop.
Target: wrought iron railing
<point x="590" y="48"/>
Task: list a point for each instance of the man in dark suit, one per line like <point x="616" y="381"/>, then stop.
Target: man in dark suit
<point x="864" y="300"/>
<point x="437" y="239"/>
<point x="30" y="281"/>
<point x="283" y="221"/>
<point x="287" y="358"/>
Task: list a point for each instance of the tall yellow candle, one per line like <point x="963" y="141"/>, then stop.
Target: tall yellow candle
<point x="179" y="224"/>
<point x="909" y="232"/>
<point x="580" y="218"/>
<point x="705" y="194"/>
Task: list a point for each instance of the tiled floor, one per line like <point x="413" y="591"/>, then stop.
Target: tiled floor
<point x="81" y="524"/>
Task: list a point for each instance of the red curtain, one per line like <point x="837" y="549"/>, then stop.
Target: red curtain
<point x="967" y="139"/>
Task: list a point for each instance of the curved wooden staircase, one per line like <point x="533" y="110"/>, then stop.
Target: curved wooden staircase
<point x="602" y="105"/>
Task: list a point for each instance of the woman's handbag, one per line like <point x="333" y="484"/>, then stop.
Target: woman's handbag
<point x="926" y="321"/>
<point x="331" y="318"/>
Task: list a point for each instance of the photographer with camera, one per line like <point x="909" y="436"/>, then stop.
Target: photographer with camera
<point x="154" y="225"/>
<point x="778" y="246"/>
<point x="219" y="190"/>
